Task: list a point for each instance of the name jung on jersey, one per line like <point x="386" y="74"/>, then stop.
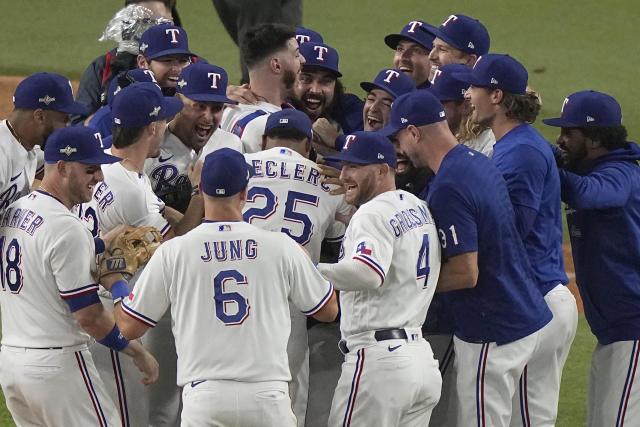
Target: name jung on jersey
<point x="232" y="250"/>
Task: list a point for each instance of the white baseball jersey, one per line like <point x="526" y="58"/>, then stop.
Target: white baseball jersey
<point x="228" y="284"/>
<point x="247" y="121"/>
<point x="18" y="167"/>
<point x="170" y="167"/>
<point x="287" y="195"/>
<point x="46" y="256"/>
<point x="395" y="235"/>
<point x="483" y="143"/>
<point x="124" y="197"/>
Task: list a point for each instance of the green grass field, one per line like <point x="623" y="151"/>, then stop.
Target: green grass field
<point x="566" y="46"/>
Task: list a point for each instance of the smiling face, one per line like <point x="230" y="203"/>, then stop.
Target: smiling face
<point x="81" y="179"/>
<point x="377" y="109"/>
<point x="196" y="122"/>
<point x="360" y="181"/>
<point x="314" y="90"/>
<point x="166" y="69"/>
<point x="481" y="104"/>
<point x="574" y="144"/>
<point x="413" y="60"/>
<point x="444" y="54"/>
<point x="292" y="62"/>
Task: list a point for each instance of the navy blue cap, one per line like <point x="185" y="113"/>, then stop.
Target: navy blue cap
<point x="393" y="81"/>
<point x="125" y="78"/>
<point x="415" y="31"/>
<point x="587" y="108"/>
<point x="444" y="86"/>
<point x="77" y="144"/>
<point x="464" y="33"/>
<point x="47" y="91"/>
<point x="320" y="55"/>
<point x="305" y="35"/>
<point x="289" y="118"/>
<point x="142" y="103"/>
<point x="366" y="148"/>
<point x="497" y="71"/>
<point x="204" y="82"/>
<point x="418" y="108"/>
<point x="225" y="172"/>
<point x="164" y="39"/>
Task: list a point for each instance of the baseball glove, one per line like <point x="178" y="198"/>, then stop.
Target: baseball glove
<point x="129" y="250"/>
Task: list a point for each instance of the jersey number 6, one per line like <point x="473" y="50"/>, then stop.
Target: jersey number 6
<point x="226" y="301"/>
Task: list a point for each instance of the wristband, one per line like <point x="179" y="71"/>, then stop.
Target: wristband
<point x="114" y="340"/>
<point x="195" y="190"/>
<point x="119" y="291"/>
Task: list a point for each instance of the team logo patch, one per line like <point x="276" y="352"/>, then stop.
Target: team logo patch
<point x="182" y="83"/>
<point x="47" y="100"/>
<point x="220" y="191"/>
<point x="143" y="47"/>
<point x="155" y="111"/>
<point x="471" y="46"/>
<point x="380" y="156"/>
<point x="494" y="81"/>
<point x="284" y="120"/>
<point x="68" y="150"/>
<point x="362" y="249"/>
<point x="590" y="119"/>
<point x="403" y="120"/>
<point x="224" y="227"/>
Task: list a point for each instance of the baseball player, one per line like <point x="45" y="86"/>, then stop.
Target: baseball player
<point x="49" y="301"/>
<point x="496" y="324"/>
<point x="499" y="98"/>
<point x="600" y="186"/>
<point x="42" y="104"/>
<point x="125" y="197"/>
<point x="202" y="89"/>
<point x="286" y="194"/>
<point x="101" y="120"/>
<point x="412" y="47"/>
<point x="462" y="40"/>
<point x="233" y="279"/>
<point x="273" y="58"/>
<point x="387" y="273"/>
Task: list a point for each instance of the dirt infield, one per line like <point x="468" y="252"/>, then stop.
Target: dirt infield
<point x="8" y="86"/>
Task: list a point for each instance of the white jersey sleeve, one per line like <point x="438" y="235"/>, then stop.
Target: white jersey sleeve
<point x="221" y="139"/>
<point x="17" y="167"/>
<point x="371" y="242"/>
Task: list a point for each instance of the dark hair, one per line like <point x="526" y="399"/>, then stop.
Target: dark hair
<point x="286" y="133"/>
<point x="168" y="3"/>
<point x="524" y="108"/>
<point x="263" y="40"/>
<point x="124" y="137"/>
<point x="611" y="137"/>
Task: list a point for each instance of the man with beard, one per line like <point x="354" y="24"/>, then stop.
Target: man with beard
<point x="412" y="47"/>
<point x="600" y="182"/>
<point x="499" y="98"/>
<point x="388" y="269"/>
<point x="202" y="89"/>
<point x="273" y="59"/>
<point x="499" y="312"/>
<point x="42" y="103"/>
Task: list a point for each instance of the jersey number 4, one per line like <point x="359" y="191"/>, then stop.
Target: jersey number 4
<point x="231" y="307"/>
<point x="10" y="260"/>
<point x="290" y="213"/>
<point x="423" y="261"/>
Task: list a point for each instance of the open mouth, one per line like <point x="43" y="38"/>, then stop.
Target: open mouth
<point x="374" y="122"/>
<point x="403" y="165"/>
<point x="203" y="131"/>
<point x="312" y="103"/>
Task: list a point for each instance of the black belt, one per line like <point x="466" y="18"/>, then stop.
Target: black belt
<point x="381" y="335"/>
<point x="44" y="348"/>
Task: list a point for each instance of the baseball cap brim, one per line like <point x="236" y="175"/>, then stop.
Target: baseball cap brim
<point x="468" y="77"/>
<point x="171" y="106"/>
<point x="369" y="86"/>
<point x="209" y="97"/>
<point x="392" y="40"/>
<point x="73" y="108"/>
<point x="390" y="130"/>
<point x="97" y="159"/>
<point x="560" y="122"/>
<point x="176" y="51"/>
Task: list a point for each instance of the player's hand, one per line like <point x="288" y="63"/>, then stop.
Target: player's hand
<point x="332" y="177"/>
<point x="144" y="361"/>
<point x="325" y="133"/>
<point x="108" y="237"/>
<point x="241" y="94"/>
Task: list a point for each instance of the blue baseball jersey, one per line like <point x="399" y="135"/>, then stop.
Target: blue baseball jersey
<point x="527" y="164"/>
<point x="603" y="214"/>
<point x="470" y="203"/>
